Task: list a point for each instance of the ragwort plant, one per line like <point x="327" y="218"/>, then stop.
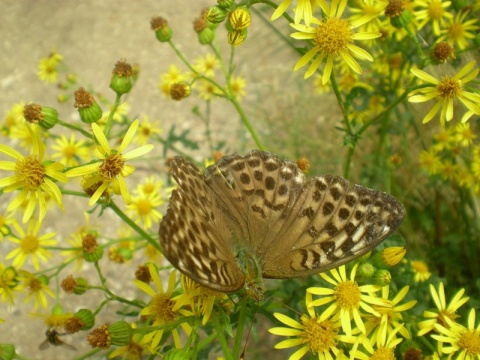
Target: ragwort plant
<point x="377" y="59"/>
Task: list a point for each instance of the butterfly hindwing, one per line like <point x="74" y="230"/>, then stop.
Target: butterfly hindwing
<point x="193" y="237"/>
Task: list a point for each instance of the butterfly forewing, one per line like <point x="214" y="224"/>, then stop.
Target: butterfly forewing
<point x="193" y="236"/>
<point x="265" y="207"/>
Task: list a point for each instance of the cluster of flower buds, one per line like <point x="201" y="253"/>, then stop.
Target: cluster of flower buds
<point x="376" y="268"/>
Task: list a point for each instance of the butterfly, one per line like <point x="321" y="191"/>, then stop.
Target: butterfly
<point x="256" y="216"/>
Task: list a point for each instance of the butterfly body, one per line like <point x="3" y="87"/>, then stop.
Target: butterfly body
<point x="256" y="216"/>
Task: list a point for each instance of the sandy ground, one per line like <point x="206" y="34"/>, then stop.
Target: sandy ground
<point x="92" y="36"/>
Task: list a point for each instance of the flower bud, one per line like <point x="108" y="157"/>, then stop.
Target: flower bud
<point x="121" y="81"/>
<point x="388" y="257"/>
<point x="178" y="354"/>
<point x="87" y="318"/>
<point x="399" y="16"/>
<point x="239" y="18"/>
<point x="381" y="277"/>
<point x="92" y="252"/>
<point x="163" y="32"/>
<point x="204" y="32"/>
<point x="443" y="51"/>
<point x="121" y="333"/>
<point x="46" y="117"/>
<point x="225" y="4"/>
<point x="179" y="91"/>
<point x="7" y="351"/>
<point x="366" y="270"/>
<point x="88" y="108"/>
<point x="236" y="38"/>
<point x="215" y="14"/>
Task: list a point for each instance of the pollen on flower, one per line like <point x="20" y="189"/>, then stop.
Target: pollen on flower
<point x="68" y="284"/>
<point x="73" y="325"/>
<point x="29" y="244"/>
<point x="143" y="274"/>
<point x="34" y="285"/>
<point x="347" y="295"/>
<point x="83" y="99"/>
<point x="383" y="353"/>
<point x="444" y="314"/>
<point x="394" y="8"/>
<point x="30" y="172"/>
<point x="449" y="88"/>
<point x="100" y="337"/>
<point x="162" y="306"/>
<point x="33" y="113"/>
<point x="333" y="35"/>
<point x="89" y="243"/>
<point x="122" y="69"/>
<point x="470" y="341"/>
<point x="320" y="336"/>
<point x="112" y="166"/>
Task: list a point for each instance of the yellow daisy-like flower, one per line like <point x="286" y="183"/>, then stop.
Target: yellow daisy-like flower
<point x="135" y="350"/>
<point x="333" y="39"/>
<point x="318" y="334"/>
<point x="446" y="91"/>
<point x="238" y="84"/>
<point x="70" y="152"/>
<point x="464" y="135"/>
<point x="419" y="267"/>
<point x="303" y="10"/>
<point x="207" y="65"/>
<point x="460" y="30"/>
<point x="121" y="112"/>
<point x="149" y="185"/>
<point x="443" y="312"/>
<point x="347" y="298"/>
<point x="112" y="170"/>
<point x="384" y="350"/>
<point x="445" y="139"/>
<point x="146" y="130"/>
<point x="434" y="11"/>
<point x="390" y="320"/>
<point x="145" y="209"/>
<point x="160" y="308"/>
<point x="430" y="161"/>
<point x="30" y="245"/>
<point x="200" y="299"/>
<point x="463" y="342"/>
<point x="13" y="118"/>
<point x="9" y="284"/>
<point x="174" y="75"/>
<point x="34" y="178"/>
<point x="37" y="288"/>
<point x="47" y="67"/>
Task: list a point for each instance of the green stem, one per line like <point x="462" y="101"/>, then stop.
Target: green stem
<point x="134" y="226"/>
<point x="240" y="327"/>
<point x="220" y="334"/>
<point x="89" y="354"/>
<point x="76" y="128"/>
<point x="247" y="123"/>
<point x="108" y="124"/>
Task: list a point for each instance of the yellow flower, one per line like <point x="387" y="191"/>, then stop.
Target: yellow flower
<point x="420" y="268"/>
<point x="237" y="84"/>
<point x="384" y="349"/>
<point x="464" y="135"/>
<point x="464" y="342"/>
<point x="207" y="65"/>
<point x="333" y="39"/>
<point x="315" y="333"/>
<point x="347" y="298"/>
<point x="13" y="118"/>
<point x="303" y="10"/>
<point x="430" y="161"/>
<point x="37" y="288"/>
<point x="390" y="320"/>
<point x="444" y="140"/>
<point x="150" y="185"/>
<point x="200" y="299"/>
<point x="147" y="130"/>
<point x="446" y="91"/>
<point x="433" y="11"/>
<point x="47" y="67"/>
<point x="33" y="178"/>
<point x="9" y="284"/>
<point x="443" y="311"/>
<point x="136" y="349"/>
<point x="75" y="252"/>
<point x="160" y="308"/>
<point x="121" y="111"/>
<point x="171" y="77"/>
<point x="31" y="245"/>
<point x="6" y="222"/>
<point x="459" y="30"/>
<point x="145" y="209"/>
<point x="70" y="152"/>
<point x="112" y="169"/>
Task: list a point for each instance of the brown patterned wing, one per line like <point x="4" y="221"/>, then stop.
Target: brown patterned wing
<point x="193" y="236"/>
<point x="331" y="223"/>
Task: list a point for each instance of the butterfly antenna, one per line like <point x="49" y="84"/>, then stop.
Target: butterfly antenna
<point x="242" y="355"/>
